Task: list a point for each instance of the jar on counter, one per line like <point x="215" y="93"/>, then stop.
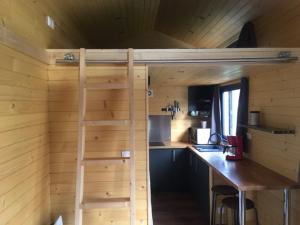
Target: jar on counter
<point x="254" y="117"/>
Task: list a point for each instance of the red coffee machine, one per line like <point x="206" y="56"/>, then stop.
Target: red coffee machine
<point x="235" y="148"/>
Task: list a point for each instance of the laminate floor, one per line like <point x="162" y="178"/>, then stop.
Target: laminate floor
<point x="176" y="209"/>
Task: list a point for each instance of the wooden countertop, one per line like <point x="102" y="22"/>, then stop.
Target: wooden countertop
<point x="172" y="145"/>
<point x="245" y="175"/>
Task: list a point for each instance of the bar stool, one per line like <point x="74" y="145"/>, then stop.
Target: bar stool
<point x="233" y="204"/>
<point x="220" y="190"/>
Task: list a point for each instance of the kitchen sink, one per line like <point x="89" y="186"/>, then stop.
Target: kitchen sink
<point x="209" y="148"/>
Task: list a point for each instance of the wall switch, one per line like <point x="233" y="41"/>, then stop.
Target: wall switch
<point x="125" y="154"/>
<point x="50" y="22"/>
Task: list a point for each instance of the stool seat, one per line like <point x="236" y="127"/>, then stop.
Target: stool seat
<point x="233" y="203"/>
<point x="224" y="190"/>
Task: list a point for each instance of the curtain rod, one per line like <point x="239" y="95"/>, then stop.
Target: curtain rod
<point x="183" y="61"/>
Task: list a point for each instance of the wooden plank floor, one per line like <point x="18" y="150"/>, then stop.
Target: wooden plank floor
<point x="176" y="209"/>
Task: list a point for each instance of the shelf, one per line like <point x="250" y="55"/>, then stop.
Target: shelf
<point x="271" y="130"/>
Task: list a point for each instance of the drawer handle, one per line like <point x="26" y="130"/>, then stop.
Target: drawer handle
<point x="174" y="156"/>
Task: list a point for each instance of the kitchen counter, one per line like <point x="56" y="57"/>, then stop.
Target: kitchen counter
<point x="244" y="175"/>
<point x="172" y="145"/>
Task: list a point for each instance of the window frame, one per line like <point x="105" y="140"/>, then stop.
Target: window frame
<point x="223" y="89"/>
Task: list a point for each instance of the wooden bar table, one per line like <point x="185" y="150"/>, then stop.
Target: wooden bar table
<point x="247" y="175"/>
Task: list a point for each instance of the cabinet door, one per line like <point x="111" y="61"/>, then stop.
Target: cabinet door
<point x="198" y="181"/>
<point x="161" y="169"/>
<point x="168" y="170"/>
<point x="203" y="187"/>
<point x="179" y="175"/>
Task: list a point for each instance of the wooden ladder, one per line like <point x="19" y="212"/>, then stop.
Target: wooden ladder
<point x="80" y="203"/>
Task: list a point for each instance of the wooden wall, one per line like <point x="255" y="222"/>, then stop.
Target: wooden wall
<point x="101" y="181"/>
<point x="28" y="20"/>
<point x="164" y="95"/>
<point x="24" y="145"/>
<point x="279" y="26"/>
<point x="276" y="93"/>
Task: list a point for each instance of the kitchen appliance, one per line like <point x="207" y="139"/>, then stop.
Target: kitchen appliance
<point x="235" y="148"/>
<point x="199" y="135"/>
<point x="159" y="128"/>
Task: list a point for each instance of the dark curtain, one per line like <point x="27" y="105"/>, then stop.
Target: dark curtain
<point x="216" y="114"/>
<point x="247" y="38"/>
<point x="242" y="117"/>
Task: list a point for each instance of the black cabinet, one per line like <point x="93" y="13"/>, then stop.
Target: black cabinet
<point x="180" y="170"/>
<point x="198" y="182"/>
<point x="168" y="170"/>
<point x="200" y="100"/>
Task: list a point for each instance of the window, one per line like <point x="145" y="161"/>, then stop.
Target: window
<point x="229" y="101"/>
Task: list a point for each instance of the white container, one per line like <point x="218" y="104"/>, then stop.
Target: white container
<point x="254" y="118"/>
<point x="203" y="124"/>
<point x="200" y="135"/>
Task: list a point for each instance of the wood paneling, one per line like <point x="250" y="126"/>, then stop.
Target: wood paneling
<point x="107" y="23"/>
<point x="24" y="146"/>
<point x="165" y="95"/>
<point x="278" y="26"/>
<point x="28" y="20"/>
<point x="207" y="24"/>
<point x="194" y="75"/>
<point x="151" y="23"/>
<point x="204" y="74"/>
<point x="100" y="181"/>
<point x="276" y="94"/>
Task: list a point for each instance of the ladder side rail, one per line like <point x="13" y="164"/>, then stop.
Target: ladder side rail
<point x="81" y="139"/>
<point x="130" y="72"/>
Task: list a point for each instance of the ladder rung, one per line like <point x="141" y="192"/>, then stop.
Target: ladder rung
<point x="104" y="161"/>
<point x="106" y="86"/>
<point x="106" y="203"/>
<point x="106" y="122"/>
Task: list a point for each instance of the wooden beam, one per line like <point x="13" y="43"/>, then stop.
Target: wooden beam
<point x="120" y="55"/>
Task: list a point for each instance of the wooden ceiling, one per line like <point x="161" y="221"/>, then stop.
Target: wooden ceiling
<point x="205" y="74"/>
<point x="193" y="23"/>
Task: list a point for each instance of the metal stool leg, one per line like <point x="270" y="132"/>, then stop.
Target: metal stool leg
<point x="256" y="215"/>
<point x="234" y="218"/>
<point x="213" y="210"/>
<point x="221" y="214"/>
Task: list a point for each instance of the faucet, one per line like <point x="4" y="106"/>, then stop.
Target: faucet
<point x="219" y="140"/>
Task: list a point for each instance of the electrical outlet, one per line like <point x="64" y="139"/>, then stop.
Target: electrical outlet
<point x="125" y="154"/>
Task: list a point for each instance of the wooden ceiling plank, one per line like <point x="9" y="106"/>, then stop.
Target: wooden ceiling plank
<point x="215" y="20"/>
<point x="214" y="14"/>
<point x="197" y="20"/>
<point x="244" y="15"/>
